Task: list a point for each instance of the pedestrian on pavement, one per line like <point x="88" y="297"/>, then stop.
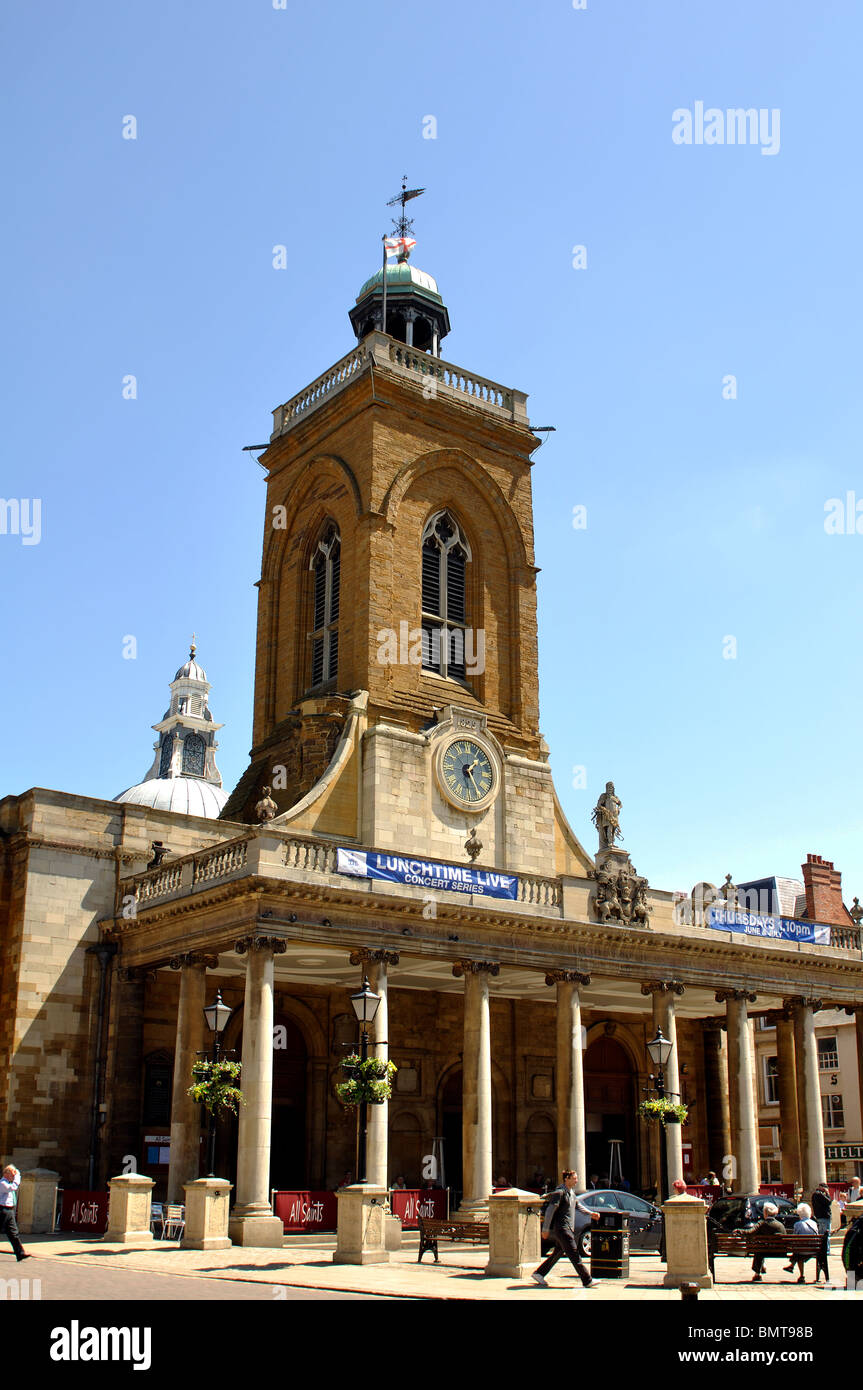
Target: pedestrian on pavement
<point x="9" y="1184"/>
<point x="564" y="1220"/>
<point x="822" y="1212"/>
<point x="769" y="1225"/>
<point x="854" y="1193"/>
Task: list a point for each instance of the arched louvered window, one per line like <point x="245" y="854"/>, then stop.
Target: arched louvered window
<point x="326" y="583"/>
<point x="445" y="556"/>
<point x="167" y="753"/>
<point x="193" y="755"/>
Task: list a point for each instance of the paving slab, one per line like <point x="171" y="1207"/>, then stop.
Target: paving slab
<point x="306" y="1262"/>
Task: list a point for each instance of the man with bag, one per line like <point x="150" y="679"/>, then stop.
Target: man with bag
<point x="564" y="1220"/>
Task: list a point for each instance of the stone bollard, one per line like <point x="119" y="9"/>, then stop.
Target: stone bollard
<point x="361" y="1235"/>
<point x="513" y="1233"/>
<point x="37" y="1201"/>
<point x="392" y="1233"/>
<point x="129" y="1201"/>
<point x="686" y="1242"/>
<point x="208" y="1202"/>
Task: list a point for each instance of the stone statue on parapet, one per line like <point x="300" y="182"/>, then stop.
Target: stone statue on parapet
<point x="266" y="808"/>
<point x="606" y="817"/>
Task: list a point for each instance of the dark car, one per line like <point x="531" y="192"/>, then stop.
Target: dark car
<point x="741" y="1213"/>
<point x="644" y="1224"/>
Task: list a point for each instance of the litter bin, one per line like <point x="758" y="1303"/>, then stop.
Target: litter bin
<point x="609" y="1246"/>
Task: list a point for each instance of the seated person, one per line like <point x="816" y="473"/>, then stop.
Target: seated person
<point x="770" y="1225"/>
<point x="806" y="1227"/>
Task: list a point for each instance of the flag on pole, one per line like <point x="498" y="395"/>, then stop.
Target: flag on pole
<point x="400" y="244"/>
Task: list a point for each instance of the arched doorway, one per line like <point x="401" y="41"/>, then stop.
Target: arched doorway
<point x="288" y="1138"/>
<point x="609" y="1089"/>
<point x="405" y="1155"/>
<point x="288" y="1124"/>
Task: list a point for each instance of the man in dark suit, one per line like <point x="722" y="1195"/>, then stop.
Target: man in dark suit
<point x="769" y="1225"/>
<point x="564" y="1219"/>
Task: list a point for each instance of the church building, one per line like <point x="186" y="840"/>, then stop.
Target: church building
<point x="397" y="820"/>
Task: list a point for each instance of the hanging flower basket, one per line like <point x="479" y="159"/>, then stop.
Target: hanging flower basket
<point x="215" y="1086"/>
<point x="665" y="1111"/>
<point x="369" y="1081"/>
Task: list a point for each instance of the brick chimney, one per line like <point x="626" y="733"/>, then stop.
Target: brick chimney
<point x="823" y="886"/>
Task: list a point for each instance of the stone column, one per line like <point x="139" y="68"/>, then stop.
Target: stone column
<point x="813" y="1162"/>
<point x="252" y="1221"/>
<point x="856" y="1011"/>
<point x="718" y="1111"/>
<point x="744" y="1134"/>
<point x="786" y="1085"/>
<point x="476" y="1089"/>
<point x="571" y="1134"/>
<point x="185" y="1114"/>
<point x="375" y="963"/>
<point x="663" y="992"/>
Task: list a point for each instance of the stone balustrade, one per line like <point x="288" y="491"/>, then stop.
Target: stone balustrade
<point x="332" y="380"/>
<point x="541" y="892"/>
<point x="379" y="350"/>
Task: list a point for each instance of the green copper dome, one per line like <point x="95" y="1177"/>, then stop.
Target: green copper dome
<point x="402" y="278"/>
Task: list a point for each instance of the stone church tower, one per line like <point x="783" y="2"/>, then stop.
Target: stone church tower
<point x="396" y="694"/>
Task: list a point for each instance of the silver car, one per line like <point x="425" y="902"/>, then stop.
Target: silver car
<point x="644" y="1224"/>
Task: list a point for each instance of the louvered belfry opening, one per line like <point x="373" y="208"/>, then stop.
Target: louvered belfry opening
<point x="326" y="572"/>
<point x="445" y="554"/>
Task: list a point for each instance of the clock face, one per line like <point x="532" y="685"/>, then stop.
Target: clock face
<point x="467" y="772"/>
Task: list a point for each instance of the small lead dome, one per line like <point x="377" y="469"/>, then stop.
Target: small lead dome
<point x="416" y="313"/>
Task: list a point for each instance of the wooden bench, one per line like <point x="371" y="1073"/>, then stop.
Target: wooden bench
<point x="433" y="1231"/>
<point x="747" y="1243"/>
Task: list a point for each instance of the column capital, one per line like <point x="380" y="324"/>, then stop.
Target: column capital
<point x="193" y="958"/>
<point x="663" y="987"/>
<point x="365" y="955"/>
<point x="802" y="1001"/>
<point x="722" y="996"/>
<point x="276" y="944"/>
<point x="566" y="977"/>
<point x="773" y="1017"/>
<point x="475" y="967"/>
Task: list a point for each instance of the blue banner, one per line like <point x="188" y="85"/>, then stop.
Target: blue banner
<point x="777" y="928"/>
<point x="425" y="873"/>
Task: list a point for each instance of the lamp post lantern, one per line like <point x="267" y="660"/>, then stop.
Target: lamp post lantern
<point x="216" y="1016"/>
<point x="659" y="1049"/>
<point x="365" y="1005"/>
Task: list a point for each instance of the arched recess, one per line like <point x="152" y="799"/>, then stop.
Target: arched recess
<point x="312" y="1094"/>
<point x="500" y="579"/>
<point x="449" y="458"/>
<point x="448" y="1123"/>
<point x="406" y="1147"/>
<point x="610" y="1096"/>
<point x="540" y="1147"/>
<point x="285" y="588"/>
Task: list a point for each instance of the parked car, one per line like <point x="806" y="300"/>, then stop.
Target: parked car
<point x="645" y="1220"/>
<point x="741" y="1213"/>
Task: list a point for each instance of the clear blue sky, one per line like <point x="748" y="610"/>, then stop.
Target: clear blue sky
<point x="259" y="127"/>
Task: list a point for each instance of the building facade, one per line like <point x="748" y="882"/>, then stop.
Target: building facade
<point x="398" y="819"/>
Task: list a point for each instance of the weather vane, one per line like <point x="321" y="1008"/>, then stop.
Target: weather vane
<point x="402" y="225"/>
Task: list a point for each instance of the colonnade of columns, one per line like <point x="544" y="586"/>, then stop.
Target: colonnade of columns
<point x="730" y="1090"/>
